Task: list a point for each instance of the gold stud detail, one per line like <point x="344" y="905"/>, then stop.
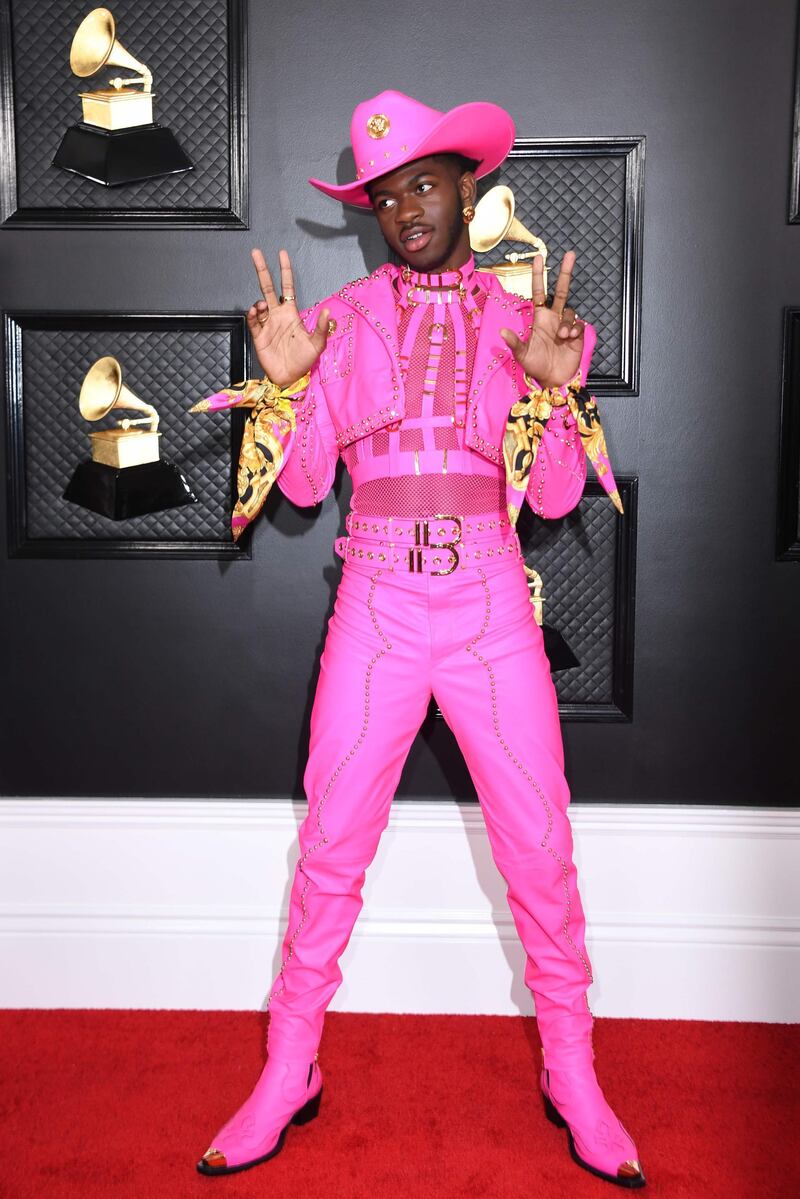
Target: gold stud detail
<point x="378" y="125"/>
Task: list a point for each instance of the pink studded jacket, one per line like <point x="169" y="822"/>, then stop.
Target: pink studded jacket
<point x="426" y="404"/>
<point x="357" y="387"/>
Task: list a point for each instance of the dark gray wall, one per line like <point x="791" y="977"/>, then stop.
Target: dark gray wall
<point x="193" y="678"/>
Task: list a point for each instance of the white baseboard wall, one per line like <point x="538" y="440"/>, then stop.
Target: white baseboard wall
<point x="692" y="912"/>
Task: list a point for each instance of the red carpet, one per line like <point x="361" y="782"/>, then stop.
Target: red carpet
<point x="123" y="1104"/>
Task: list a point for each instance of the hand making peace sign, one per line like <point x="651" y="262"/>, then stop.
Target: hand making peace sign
<point x="284" y="348"/>
<point x="552" y="353"/>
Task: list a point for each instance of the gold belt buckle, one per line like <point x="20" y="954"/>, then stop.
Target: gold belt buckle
<point x="422" y="540"/>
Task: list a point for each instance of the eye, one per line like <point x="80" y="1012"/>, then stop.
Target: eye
<point x="423" y="187"/>
<point x="384" y="203"/>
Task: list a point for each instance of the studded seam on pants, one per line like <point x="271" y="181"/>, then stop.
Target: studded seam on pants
<point x="470" y="647"/>
<point x="394" y="639"/>
<point x="280" y="984"/>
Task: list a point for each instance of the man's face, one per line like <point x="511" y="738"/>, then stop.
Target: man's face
<point x="418" y="207"/>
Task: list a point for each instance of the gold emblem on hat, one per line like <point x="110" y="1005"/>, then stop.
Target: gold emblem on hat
<point x="378" y="125"/>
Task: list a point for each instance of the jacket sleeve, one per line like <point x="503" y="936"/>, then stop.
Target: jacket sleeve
<point x="310" y="463"/>
<point x="558" y="474"/>
<point x="309" y="466"/>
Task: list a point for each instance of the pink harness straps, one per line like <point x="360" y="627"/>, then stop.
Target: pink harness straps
<point x="420" y="465"/>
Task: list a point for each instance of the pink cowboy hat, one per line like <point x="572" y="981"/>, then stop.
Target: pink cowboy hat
<point x="392" y="129"/>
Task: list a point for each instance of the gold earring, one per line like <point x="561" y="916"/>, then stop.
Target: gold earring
<point x="468" y="213"/>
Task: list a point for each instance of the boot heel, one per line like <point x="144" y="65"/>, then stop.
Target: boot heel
<point x="309" y="1110"/>
<point x="553" y="1114"/>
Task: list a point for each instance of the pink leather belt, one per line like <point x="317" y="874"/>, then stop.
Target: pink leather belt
<point x="435" y="545"/>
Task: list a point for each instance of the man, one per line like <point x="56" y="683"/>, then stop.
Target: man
<point x="444" y="394"/>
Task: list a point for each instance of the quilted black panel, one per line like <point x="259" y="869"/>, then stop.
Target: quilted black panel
<point x="577" y="203"/>
<point x="170" y="368"/>
<point x="576" y="557"/>
<point x="788" y="546"/>
<point x="184" y="43"/>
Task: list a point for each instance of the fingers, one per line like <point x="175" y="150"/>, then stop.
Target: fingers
<point x="264" y="277"/>
<point x="253" y="322"/>
<point x="257" y="316"/>
<point x="320" y="335"/>
<point x="562" y="285"/>
<point x="567" y="321"/>
<point x="287" y="281"/>
<point x="570" y="327"/>
<point x="516" y="346"/>
<point x="537" y="269"/>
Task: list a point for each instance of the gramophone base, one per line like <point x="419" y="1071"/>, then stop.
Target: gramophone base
<point x="123" y="492"/>
<point x="116" y="156"/>
<point x="558" y="652"/>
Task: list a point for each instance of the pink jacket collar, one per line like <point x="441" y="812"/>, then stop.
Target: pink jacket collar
<point x="373" y="299"/>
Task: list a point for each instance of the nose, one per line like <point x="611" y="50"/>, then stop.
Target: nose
<point x="409" y="207"/>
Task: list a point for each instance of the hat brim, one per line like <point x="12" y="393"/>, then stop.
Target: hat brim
<point x="479" y="130"/>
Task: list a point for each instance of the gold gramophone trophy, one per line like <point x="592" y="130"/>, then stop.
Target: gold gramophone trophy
<point x="117" y="141"/>
<point x="558" y="652"/>
<point x="494" y="222"/>
<point x="126" y="475"/>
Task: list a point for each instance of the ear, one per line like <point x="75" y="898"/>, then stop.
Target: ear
<point x="467" y="188"/>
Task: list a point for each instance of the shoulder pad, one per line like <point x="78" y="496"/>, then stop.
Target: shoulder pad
<point x="309" y="315"/>
<point x="379" y="273"/>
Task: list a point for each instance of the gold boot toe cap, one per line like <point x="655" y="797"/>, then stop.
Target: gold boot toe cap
<point x="214" y="1158"/>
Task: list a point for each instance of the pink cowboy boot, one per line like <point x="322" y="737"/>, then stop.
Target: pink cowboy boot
<point x="598" y="1140"/>
<point x="288" y="1092"/>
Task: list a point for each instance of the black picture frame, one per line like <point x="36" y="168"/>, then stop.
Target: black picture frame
<point x="619" y="709"/>
<point x="630" y="219"/>
<point x="788" y="530"/>
<point x="20" y="543"/>
<point x="234" y="216"/>
<point x="794" y="181"/>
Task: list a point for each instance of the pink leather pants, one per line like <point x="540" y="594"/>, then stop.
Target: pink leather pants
<point x="470" y="639"/>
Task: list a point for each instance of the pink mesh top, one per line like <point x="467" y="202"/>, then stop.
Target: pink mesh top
<point x="420" y="466"/>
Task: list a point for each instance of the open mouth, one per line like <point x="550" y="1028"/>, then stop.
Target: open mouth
<point x="415" y="239"/>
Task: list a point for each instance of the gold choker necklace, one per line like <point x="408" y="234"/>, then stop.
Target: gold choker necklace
<point x="441" y="283"/>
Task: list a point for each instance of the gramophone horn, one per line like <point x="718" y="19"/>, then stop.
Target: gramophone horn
<point x="494" y="222"/>
<point x="103" y="390"/>
<point x="493" y="215"/>
<point x="95" y="45"/>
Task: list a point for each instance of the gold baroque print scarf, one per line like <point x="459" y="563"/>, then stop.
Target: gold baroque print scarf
<point x="267" y="434"/>
<point x="525" y="428"/>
